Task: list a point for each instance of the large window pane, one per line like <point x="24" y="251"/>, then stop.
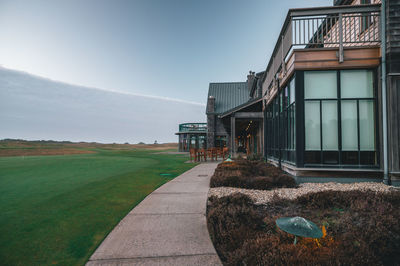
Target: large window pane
<point x="356" y="84"/>
<point x="329" y="126"/>
<point x="320" y="84"/>
<point x="292" y="91"/>
<point x="312" y="125"/>
<point x="367" y="122"/>
<point x="349" y="126"/>
<point x="285" y="93"/>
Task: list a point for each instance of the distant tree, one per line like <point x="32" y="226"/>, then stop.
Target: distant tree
<point x="126" y="143"/>
<point x="141" y="142"/>
<point x="155" y="142"/>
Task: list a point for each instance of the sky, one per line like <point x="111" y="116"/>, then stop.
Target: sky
<point x="162" y="48"/>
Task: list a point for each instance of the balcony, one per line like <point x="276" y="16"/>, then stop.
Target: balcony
<point x="193" y="128"/>
<point x="337" y="29"/>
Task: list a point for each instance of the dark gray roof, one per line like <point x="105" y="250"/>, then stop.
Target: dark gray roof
<point x="228" y="95"/>
<point x="240" y="107"/>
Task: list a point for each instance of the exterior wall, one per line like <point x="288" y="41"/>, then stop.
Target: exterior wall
<point x="393" y="85"/>
<point x="220" y="129"/>
<point x="393" y="30"/>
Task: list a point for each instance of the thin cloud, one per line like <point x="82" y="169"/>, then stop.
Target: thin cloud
<point x="155" y="97"/>
<point x="108" y="90"/>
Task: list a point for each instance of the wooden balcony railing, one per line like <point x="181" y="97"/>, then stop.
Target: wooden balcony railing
<point x="322" y="27"/>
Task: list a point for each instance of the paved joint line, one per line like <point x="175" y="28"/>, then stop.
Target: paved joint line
<point x="156" y="257"/>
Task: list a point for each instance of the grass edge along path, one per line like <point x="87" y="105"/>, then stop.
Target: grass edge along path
<point x="58" y="209"/>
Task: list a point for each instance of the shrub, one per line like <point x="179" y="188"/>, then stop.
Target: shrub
<point x="251" y="175"/>
<point x="363" y="228"/>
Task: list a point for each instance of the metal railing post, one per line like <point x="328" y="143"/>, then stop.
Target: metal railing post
<point x="341" y="53"/>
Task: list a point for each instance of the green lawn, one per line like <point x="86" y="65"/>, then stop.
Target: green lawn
<point x="58" y="209"/>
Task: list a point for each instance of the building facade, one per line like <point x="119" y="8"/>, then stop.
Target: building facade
<point x="327" y="105"/>
<point x="322" y="92"/>
<point x="234" y="116"/>
<point x="223" y="97"/>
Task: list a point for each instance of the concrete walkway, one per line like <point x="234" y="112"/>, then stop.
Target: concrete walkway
<point x="167" y="228"/>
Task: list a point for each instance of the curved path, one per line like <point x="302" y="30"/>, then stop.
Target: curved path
<point x="167" y="228"/>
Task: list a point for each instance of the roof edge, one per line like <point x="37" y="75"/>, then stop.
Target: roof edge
<point x="239" y="107"/>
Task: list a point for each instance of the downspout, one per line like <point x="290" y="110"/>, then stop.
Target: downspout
<point x="279" y="126"/>
<point x="386" y="177"/>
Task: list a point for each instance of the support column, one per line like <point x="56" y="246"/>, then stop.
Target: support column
<point x="211" y="122"/>
<point x="210" y="138"/>
<point x="233" y="136"/>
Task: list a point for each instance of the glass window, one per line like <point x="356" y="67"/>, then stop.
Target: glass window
<point x="320" y="84"/>
<point x="329" y="126"/>
<point x="356" y="84"/>
<point x="292" y="91"/>
<point x="312" y="125"/>
<point x="367" y="122"/>
<point x="349" y="125"/>
<point x="286" y="97"/>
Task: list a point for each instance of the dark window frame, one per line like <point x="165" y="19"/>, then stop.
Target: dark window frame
<point x="280" y="126"/>
<point x="302" y="163"/>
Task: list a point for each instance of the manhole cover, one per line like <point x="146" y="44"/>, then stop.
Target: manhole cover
<point x="202" y="175"/>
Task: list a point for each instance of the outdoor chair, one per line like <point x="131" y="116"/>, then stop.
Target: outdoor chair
<point x="219" y="152"/>
<point x="193" y="155"/>
<point x="202" y="154"/>
<point x="212" y="153"/>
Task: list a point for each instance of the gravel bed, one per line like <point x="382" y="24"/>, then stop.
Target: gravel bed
<point x="264" y="196"/>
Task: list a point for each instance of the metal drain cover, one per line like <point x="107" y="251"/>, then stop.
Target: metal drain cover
<point x="202" y="175"/>
<point x="165" y="174"/>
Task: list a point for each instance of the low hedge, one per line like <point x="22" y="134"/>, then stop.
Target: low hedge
<point x="251" y="175"/>
<point x="362" y="228"/>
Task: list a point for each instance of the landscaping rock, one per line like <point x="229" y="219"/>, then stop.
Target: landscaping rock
<point x="265" y="196"/>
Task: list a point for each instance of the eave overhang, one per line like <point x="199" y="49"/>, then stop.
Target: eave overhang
<point x="240" y="107"/>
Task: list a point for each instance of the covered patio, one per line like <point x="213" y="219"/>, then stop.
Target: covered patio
<point x="245" y="124"/>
